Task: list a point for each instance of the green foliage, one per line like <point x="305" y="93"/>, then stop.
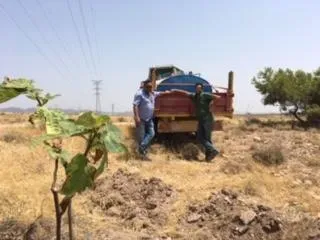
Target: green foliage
<point x="10" y="89"/>
<point x="58" y="124"/>
<point x="21" y="84"/>
<point x="111" y="139"/>
<point x="91" y="120"/>
<point x="293" y="91"/>
<point x="100" y="134"/>
<point x="80" y="175"/>
<point x="8" y="94"/>
<point x="36" y="94"/>
<point x="313" y="113"/>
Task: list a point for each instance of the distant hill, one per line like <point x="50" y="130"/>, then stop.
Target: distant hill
<point x="69" y="111"/>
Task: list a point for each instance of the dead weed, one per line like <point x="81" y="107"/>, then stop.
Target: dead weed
<point x="268" y="155"/>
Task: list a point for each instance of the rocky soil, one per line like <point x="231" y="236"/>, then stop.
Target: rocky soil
<point x="140" y="204"/>
<point x="225" y="216"/>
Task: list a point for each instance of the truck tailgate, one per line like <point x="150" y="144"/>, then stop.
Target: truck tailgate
<point x="180" y="105"/>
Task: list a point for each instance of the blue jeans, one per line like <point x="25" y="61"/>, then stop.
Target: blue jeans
<point x="204" y="135"/>
<point x="145" y="132"/>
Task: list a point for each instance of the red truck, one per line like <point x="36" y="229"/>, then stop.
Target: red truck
<point x="175" y="112"/>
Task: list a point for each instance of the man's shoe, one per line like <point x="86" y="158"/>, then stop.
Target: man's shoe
<point x="211" y="155"/>
<point x="141" y="151"/>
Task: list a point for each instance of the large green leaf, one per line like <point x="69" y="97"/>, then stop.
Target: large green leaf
<point x="14" y="87"/>
<point x="79" y="176"/>
<point x="91" y="120"/>
<point x="111" y="138"/>
<point x="7" y="94"/>
<point x="86" y="119"/>
<point x="58" y="123"/>
<point x="113" y="145"/>
<point x="20" y="83"/>
<point x="113" y="131"/>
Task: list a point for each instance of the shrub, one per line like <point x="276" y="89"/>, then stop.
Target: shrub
<point x="314" y="162"/>
<point x="190" y="151"/>
<point x="313" y="115"/>
<point x="253" y="120"/>
<point x="13" y="137"/>
<point x="122" y="119"/>
<point x="269" y="155"/>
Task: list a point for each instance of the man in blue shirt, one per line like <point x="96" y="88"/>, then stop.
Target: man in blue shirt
<point x="143" y="108"/>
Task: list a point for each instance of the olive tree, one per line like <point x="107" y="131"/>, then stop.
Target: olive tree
<point x="296" y="92"/>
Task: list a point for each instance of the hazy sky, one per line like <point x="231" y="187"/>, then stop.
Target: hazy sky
<point x="206" y="36"/>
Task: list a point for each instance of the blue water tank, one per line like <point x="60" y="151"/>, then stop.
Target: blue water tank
<point x="184" y="82"/>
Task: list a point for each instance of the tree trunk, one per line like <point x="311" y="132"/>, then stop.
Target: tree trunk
<point x="301" y="121"/>
<point x="70" y="220"/>
<point x="56" y="201"/>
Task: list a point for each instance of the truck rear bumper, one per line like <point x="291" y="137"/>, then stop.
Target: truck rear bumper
<point x="171" y="126"/>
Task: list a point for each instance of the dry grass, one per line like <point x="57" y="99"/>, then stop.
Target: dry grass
<point x="314" y="162"/>
<point x="14" y="137"/>
<point x="26" y="173"/>
<point x="269" y="155"/>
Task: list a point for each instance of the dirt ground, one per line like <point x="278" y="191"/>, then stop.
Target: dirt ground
<point x="263" y="185"/>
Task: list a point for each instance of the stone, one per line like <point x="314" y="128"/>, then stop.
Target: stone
<point x="308" y="182"/>
<point x="297" y="182"/>
<point x="114" y="212"/>
<point x="230" y="193"/>
<point x="151" y="205"/>
<point x="271" y="226"/>
<point x="194" y="217"/>
<point x="263" y="208"/>
<point x="228" y="200"/>
<point x="247" y="217"/>
<point x="241" y="230"/>
<point x="314" y="236"/>
<point x="257" y="139"/>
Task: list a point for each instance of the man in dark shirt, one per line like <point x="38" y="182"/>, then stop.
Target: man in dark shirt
<point x="205" y="119"/>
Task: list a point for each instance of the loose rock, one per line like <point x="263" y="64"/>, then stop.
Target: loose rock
<point x="247" y="217"/>
<point x="193" y="218"/>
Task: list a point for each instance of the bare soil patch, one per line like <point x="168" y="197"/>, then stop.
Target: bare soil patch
<point x="141" y="204"/>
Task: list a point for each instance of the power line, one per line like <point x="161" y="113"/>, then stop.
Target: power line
<point x="87" y="35"/>
<point x="42" y="35"/>
<point x="63" y="45"/>
<point x="33" y="42"/>
<point x="95" y="34"/>
<point x="97" y="93"/>
<point x="78" y="35"/>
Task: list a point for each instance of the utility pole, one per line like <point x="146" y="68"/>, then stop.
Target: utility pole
<point x="112" y="108"/>
<point x="97" y="93"/>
